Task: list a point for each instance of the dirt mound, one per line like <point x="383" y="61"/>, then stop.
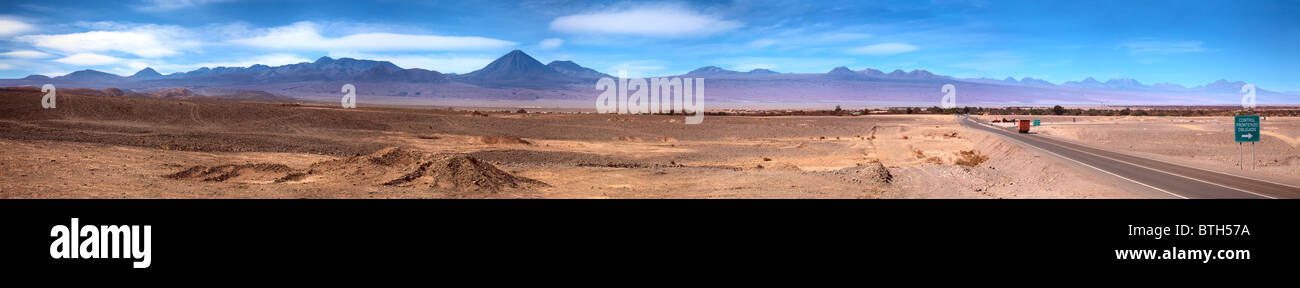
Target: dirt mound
<point x="874" y="173"/>
<point x="260" y="172"/>
<point x="628" y="139"/>
<point x="399" y="167"/>
<point x="389" y="166"/>
<point x="503" y="140"/>
<point x="460" y="172"/>
<point x="374" y="168"/>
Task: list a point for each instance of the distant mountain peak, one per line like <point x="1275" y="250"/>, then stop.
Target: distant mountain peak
<point x="711" y="70"/>
<point x="920" y="73"/>
<point x="1166" y="85"/>
<point x="517" y="69"/>
<point x="1010" y="79"/>
<point x="91" y="75"/>
<point x="762" y="71"/>
<point x="840" y="70"/>
<point x="1224" y="84"/>
<point x="872" y="72"/>
<point x="572" y="69"/>
<point x="146" y="74"/>
<point x="1032" y="81"/>
<point x="1223" y="81"/>
<point x="1123" y="81"/>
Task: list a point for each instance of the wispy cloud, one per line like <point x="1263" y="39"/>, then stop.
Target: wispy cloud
<point x="550" y="44"/>
<point x="1162" y="47"/>
<point x="14" y="27"/>
<point x="665" y="21"/>
<point x="26" y="54"/>
<point x="149" y="41"/>
<point x="884" y="49"/>
<point x="307" y="36"/>
<point x="89" y="59"/>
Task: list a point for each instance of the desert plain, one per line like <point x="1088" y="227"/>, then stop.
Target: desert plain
<point x="104" y="146"/>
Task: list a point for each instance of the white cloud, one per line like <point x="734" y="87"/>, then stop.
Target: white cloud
<point x="1162" y="47"/>
<point x="551" y="43"/>
<point x="884" y="49"/>
<point x="13" y="27"/>
<point x="25" y="54"/>
<point x="170" y="5"/>
<point x="89" y="59"/>
<point x="307" y="36"/>
<point x="667" y="21"/>
<point x="6" y="66"/>
<point x="150" y="41"/>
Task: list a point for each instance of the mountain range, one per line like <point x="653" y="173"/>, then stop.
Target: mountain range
<point x="518" y="76"/>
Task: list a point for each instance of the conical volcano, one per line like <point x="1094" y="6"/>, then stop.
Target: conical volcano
<point x="517" y="69"/>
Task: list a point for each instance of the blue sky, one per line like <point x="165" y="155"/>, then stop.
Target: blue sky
<point x="1182" y="42"/>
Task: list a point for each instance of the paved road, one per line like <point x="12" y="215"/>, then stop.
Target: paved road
<point x="1174" y="180"/>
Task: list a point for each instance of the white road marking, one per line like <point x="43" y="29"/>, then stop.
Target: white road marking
<point x="1167" y="172"/>
<point x="1090" y="166"/>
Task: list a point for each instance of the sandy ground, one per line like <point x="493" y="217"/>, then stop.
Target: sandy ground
<point x="1202" y="142"/>
<point x="113" y="147"/>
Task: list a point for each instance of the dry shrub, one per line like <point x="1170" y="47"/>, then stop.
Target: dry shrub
<point x="970" y="158"/>
<point x="918" y="154"/>
<point x="935" y="160"/>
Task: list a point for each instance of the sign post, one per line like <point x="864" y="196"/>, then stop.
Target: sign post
<point x="1246" y="129"/>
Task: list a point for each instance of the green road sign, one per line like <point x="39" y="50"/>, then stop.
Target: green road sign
<point x="1038" y="122"/>
<point x="1247" y="128"/>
